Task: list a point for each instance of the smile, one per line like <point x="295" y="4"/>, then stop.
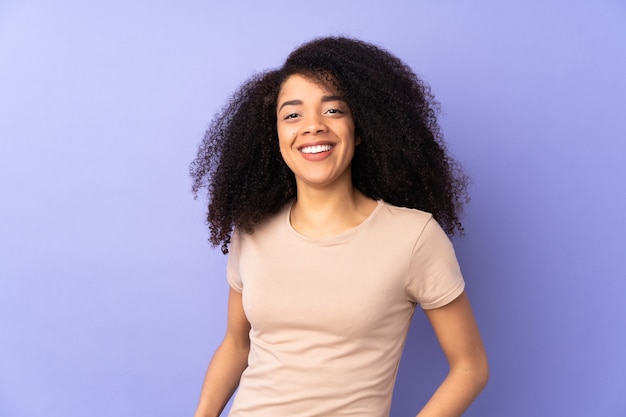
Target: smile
<point x="316" y="149"/>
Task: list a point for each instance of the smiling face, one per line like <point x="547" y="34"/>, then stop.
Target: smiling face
<point x="315" y="133"/>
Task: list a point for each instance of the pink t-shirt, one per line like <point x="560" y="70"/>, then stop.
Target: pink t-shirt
<point x="329" y="316"/>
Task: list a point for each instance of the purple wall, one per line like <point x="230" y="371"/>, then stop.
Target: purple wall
<point x="111" y="302"/>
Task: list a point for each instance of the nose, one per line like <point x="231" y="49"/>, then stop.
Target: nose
<point x="315" y="125"/>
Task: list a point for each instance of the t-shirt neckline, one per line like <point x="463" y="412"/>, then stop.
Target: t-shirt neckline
<point x="348" y="234"/>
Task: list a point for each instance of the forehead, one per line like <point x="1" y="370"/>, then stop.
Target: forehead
<point x="300" y="83"/>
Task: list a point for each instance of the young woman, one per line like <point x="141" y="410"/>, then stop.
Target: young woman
<point x="332" y="192"/>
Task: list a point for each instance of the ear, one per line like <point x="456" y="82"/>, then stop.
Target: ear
<point x="357" y="140"/>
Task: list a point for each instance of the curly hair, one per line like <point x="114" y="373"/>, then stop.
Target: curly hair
<point x="401" y="158"/>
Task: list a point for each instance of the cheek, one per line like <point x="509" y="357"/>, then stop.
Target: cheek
<point x="284" y="141"/>
<point x="286" y="136"/>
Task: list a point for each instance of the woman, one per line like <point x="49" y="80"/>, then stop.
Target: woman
<point x="332" y="192"/>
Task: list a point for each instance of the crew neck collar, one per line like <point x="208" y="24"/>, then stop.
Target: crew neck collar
<point x="348" y="234"/>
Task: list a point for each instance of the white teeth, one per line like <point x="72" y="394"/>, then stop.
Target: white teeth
<point x="316" y="149"/>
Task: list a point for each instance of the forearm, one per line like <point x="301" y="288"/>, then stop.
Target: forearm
<point x="456" y="392"/>
<point x="222" y="378"/>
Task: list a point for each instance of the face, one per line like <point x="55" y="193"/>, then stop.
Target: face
<point x="315" y="133"/>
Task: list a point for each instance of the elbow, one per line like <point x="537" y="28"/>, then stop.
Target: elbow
<point x="474" y="372"/>
<point x="482" y="373"/>
<point x="484" y="376"/>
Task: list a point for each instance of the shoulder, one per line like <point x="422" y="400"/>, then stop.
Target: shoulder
<point x="403" y="216"/>
<point x="396" y="229"/>
<point x="268" y="228"/>
<point x="416" y="226"/>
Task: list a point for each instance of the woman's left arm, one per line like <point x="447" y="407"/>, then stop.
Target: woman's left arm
<point x="458" y="335"/>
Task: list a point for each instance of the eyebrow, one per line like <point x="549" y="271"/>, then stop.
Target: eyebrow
<point x="298" y="102"/>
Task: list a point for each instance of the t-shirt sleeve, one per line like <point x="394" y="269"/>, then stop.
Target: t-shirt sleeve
<point x="435" y="277"/>
<point x="232" y="266"/>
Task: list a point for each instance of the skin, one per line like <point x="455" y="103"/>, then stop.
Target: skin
<point x="228" y="362"/>
<point x="311" y="115"/>
<point x="459" y="338"/>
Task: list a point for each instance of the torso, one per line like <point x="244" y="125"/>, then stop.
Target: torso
<point x="329" y="316"/>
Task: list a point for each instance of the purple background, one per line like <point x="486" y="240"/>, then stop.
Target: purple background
<point x="111" y="301"/>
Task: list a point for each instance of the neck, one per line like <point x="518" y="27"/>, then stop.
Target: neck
<point x="327" y="212"/>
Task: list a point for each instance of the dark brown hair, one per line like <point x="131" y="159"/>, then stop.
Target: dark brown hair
<point x="401" y="158"/>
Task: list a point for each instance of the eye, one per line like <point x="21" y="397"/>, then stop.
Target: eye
<point x="290" y="116"/>
<point x="334" y="111"/>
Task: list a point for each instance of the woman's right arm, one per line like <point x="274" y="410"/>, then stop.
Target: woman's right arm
<point x="229" y="361"/>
